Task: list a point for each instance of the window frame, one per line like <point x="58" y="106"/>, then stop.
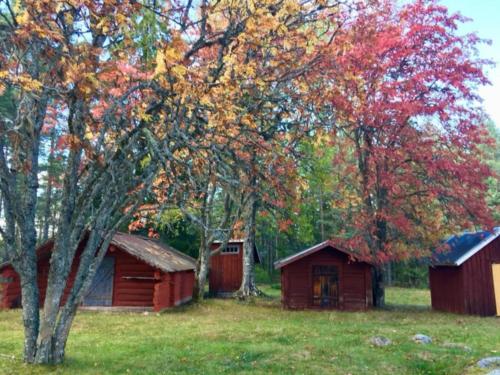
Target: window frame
<point x="226" y="252"/>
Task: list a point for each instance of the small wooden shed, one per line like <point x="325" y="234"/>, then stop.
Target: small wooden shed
<point x="325" y="277"/>
<point x="136" y="271"/>
<point x="465" y="278"/>
<point x="226" y="267"/>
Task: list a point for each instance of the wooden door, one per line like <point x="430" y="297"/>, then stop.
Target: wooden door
<point x="495" y="268"/>
<point x="325" y="286"/>
<point x="101" y="291"/>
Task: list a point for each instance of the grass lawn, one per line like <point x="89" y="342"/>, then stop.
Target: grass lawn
<point x="227" y="337"/>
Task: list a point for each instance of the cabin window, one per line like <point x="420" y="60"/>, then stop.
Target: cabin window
<point x="325" y="286"/>
<point x="231" y="249"/>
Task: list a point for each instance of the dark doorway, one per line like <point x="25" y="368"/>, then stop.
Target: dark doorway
<point x="325" y="286"/>
<point x="101" y="291"/>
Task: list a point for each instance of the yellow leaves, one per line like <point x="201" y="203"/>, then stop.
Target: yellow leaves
<point x="170" y="58"/>
<point x="248" y="121"/>
<point x="290" y="7"/>
<point x="303" y="87"/>
<point x="29" y="84"/>
<point x="282" y="29"/>
<point x="89" y="135"/>
<point x="321" y="139"/>
<point x="72" y="72"/>
<point x="206" y="101"/>
<point x="103" y="25"/>
<point x="172" y="54"/>
<point x="23" y="17"/>
<point x="161" y="67"/>
<point x="251" y="5"/>
<point x="24" y="81"/>
<point x="121" y="19"/>
<point x="179" y="71"/>
<point x="251" y="25"/>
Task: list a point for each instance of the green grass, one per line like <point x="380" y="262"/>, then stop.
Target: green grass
<point x="229" y="337"/>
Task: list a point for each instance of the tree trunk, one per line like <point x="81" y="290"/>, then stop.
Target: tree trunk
<point x="321" y="215"/>
<point x="31" y="314"/>
<point x="47" y="215"/>
<point x="389" y="274"/>
<point x="202" y="266"/>
<point x="60" y="266"/>
<point x="378" y="286"/>
<point x="62" y="333"/>
<point x="270" y="259"/>
<point x="248" y="287"/>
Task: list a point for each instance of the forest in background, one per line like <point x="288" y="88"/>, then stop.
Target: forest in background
<point x="314" y="220"/>
<point x="281" y="122"/>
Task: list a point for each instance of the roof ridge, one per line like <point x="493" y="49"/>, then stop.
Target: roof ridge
<point x="160" y="243"/>
<point x="310" y="250"/>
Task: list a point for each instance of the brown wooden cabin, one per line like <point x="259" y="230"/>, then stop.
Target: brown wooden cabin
<point x="325" y="277"/>
<point x="135" y="272"/>
<point x="226" y="267"/>
<point x="465" y="278"/>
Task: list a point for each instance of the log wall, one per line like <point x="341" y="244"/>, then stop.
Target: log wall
<point x="135" y="283"/>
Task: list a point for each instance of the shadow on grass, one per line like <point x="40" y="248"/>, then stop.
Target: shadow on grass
<point x="406" y="308"/>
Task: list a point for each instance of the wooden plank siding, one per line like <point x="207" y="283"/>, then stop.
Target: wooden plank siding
<point x="226" y="271"/>
<point x="467" y="289"/>
<point x="355" y="291"/>
<point x="446" y="284"/>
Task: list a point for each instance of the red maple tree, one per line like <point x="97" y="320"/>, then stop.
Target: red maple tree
<point x="408" y="121"/>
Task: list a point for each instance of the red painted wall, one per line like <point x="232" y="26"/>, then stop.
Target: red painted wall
<point x="172" y="289"/>
<point x="226" y="271"/>
<point x="134" y="284"/>
<point x="355" y="287"/>
<point x="10" y="293"/>
<point x="467" y="289"/>
<point x="447" y="289"/>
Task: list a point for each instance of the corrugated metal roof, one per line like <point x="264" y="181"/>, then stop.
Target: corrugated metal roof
<point x="149" y="250"/>
<point x="460" y="248"/>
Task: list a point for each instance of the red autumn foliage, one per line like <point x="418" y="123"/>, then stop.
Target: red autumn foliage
<point x="409" y="126"/>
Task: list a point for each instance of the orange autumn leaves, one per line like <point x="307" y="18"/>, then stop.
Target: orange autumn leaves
<point x="237" y="84"/>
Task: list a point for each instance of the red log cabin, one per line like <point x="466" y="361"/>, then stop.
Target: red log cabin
<point x="465" y="278"/>
<point x="325" y="277"/>
<point x="135" y="272"/>
<point x="226" y="267"/>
